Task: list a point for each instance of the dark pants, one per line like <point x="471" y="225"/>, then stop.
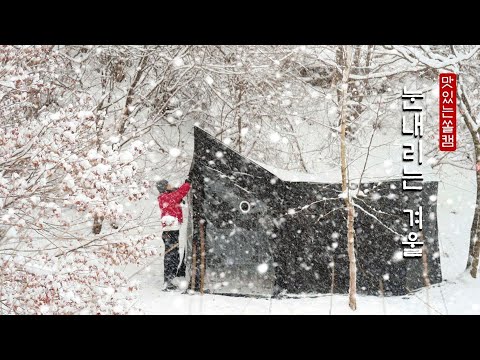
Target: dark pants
<point x="172" y="258"/>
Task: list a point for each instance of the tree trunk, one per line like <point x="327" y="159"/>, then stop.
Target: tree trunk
<point x="352" y="292"/>
<point x="337" y="75"/>
<point x="239" y="125"/>
<point x="97" y="224"/>
<point x="426" y="279"/>
<point x="476" y="252"/>
<point x="356" y="62"/>
<point x="345" y="188"/>
<point x="297" y="144"/>
<point x="194" y="265"/>
<point x="474" y="249"/>
<point x="131" y="91"/>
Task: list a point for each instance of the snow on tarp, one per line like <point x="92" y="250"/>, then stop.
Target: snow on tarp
<point x="327" y="174"/>
<point x="262" y="232"/>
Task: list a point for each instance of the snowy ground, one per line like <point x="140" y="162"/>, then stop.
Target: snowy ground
<point x="458" y="296"/>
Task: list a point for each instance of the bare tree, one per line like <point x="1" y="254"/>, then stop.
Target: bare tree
<point x="343" y="114"/>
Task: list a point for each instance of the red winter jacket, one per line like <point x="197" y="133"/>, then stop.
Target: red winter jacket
<point x="169" y="202"/>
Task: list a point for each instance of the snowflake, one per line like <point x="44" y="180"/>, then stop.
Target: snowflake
<point x="262" y="268"/>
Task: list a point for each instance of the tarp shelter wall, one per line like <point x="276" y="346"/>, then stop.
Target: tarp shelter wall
<point x="260" y="232"/>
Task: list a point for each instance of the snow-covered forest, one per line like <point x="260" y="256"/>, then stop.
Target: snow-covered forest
<point x="87" y="131"/>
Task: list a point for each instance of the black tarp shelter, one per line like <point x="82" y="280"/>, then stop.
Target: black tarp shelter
<point x="257" y="231"/>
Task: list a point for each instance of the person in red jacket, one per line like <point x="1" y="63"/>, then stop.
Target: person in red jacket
<point x="169" y="202"/>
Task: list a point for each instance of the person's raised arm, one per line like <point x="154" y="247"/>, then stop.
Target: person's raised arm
<point x="179" y="194"/>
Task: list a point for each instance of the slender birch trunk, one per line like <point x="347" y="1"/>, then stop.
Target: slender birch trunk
<point x="474" y="248"/>
<point x="345" y="188"/>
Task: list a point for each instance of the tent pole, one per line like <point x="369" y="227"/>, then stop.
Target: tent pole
<point x="194" y="265"/>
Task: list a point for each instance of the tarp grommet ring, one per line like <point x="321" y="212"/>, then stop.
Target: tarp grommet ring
<point x="244" y="206"/>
